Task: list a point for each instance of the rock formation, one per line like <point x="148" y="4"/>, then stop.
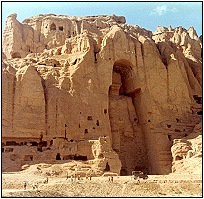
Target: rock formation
<point x="187" y="153"/>
<point x="98" y="90"/>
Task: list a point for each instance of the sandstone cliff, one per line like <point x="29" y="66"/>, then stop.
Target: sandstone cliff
<point x="187" y="153"/>
<point x="99" y="90"/>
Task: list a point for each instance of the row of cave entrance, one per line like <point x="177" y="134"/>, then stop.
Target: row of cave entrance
<point x="58" y="157"/>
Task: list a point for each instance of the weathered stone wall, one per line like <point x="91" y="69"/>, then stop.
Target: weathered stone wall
<point x="187" y="153"/>
<point x="94" y="78"/>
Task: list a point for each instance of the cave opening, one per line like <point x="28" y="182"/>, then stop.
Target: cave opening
<point x="169" y="137"/>
<point x="34" y="143"/>
<point x="11" y="143"/>
<point x="123" y="172"/>
<point x="61" y="28"/>
<point x="75" y="157"/>
<point x="52" y="26"/>
<point x="197" y="99"/>
<point x="200" y="113"/>
<point x="58" y="156"/>
<point x="178" y="158"/>
<point x="80" y="157"/>
<point x="107" y="167"/>
<point x="9" y="149"/>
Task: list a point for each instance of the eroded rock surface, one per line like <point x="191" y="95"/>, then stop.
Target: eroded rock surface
<point x="98" y="90"/>
<point x="187" y="153"/>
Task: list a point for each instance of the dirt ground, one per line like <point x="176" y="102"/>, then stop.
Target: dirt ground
<point x="176" y="185"/>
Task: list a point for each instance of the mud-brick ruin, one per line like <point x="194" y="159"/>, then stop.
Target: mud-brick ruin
<point x="95" y="89"/>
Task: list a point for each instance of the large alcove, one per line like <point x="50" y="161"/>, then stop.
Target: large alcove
<point x="127" y="136"/>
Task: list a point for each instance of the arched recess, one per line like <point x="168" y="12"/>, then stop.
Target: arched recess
<point x="125" y="69"/>
<point x="53" y="26"/>
<point x="127" y="136"/>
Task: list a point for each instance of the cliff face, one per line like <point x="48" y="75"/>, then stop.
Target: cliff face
<point x="73" y="85"/>
<point x="187" y="153"/>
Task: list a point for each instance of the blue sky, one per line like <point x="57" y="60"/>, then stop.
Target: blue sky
<point x="148" y="15"/>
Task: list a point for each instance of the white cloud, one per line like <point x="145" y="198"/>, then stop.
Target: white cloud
<point x="161" y="10"/>
<point x="173" y="10"/>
